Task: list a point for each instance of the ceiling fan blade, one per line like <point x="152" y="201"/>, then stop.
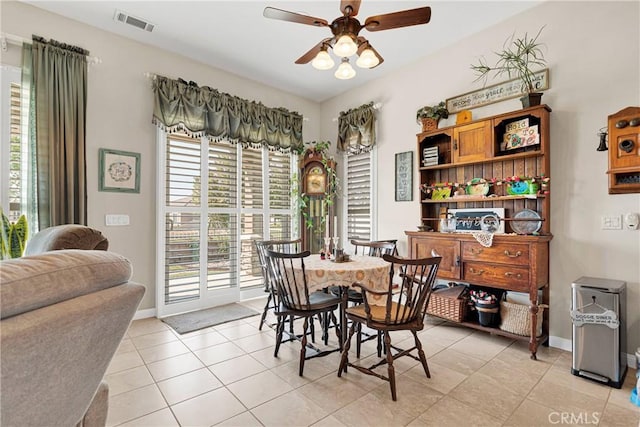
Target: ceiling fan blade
<point x="350" y="7"/>
<point x="363" y="44"/>
<point x="404" y="18"/>
<point x="284" y="15"/>
<point x="308" y="57"/>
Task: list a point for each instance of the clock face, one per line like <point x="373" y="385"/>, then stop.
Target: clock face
<point x="316" y="181"/>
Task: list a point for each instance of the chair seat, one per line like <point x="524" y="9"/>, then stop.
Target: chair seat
<point x="378" y="313"/>
<point x="318" y="301"/>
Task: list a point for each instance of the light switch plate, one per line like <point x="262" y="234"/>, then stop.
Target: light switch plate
<point x="611" y="222"/>
<point x="116" y="219"/>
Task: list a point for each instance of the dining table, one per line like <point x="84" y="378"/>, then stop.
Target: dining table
<point x="372" y="272"/>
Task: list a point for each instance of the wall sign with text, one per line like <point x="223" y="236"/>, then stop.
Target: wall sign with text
<point x="496" y="93"/>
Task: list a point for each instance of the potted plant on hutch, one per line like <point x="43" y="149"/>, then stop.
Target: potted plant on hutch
<point x="520" y="58"/>
<point x="430" y="116"/>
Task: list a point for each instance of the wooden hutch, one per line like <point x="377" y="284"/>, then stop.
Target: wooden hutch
<point x="514" y="262"/>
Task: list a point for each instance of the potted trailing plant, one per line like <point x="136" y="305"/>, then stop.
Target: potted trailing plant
<point x="429" y="116"/>
<point x="13" y="236"/>
<point x="520" y="58"/>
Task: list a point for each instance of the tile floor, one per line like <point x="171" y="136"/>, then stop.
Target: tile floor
<point x="227" y="376"/>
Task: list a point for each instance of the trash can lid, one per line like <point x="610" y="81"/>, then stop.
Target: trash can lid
<point x="610" y="285"/>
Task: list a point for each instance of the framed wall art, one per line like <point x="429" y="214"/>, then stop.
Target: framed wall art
<point x="119" y="171"/>
<point x="404" y="176"/>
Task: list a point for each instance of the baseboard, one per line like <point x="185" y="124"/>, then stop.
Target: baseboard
<point x="144" y="314"/>
<point x="567" y="345"/>
<point x="561" y="343"/>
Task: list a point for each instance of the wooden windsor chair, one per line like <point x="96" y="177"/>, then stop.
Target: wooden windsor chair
<point x="376" y="248"/>
<point x="287" y="275"/>
<point x="403" y="309"/>
<point x="261" y="248"/>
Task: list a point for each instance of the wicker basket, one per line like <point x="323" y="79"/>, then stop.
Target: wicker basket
<point x="516" y="318"/>
<point x="449" y="303"/>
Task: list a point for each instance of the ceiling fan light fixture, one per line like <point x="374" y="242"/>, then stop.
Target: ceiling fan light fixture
<point x="345" y="46"/>
<point x="345" y="71"/>
<point x="322" y="61"/>
<point x="367" y="59"/>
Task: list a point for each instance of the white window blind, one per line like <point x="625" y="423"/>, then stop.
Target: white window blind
<point x="222" y="247"/>
<point x="359" y="196"/>
<point x="182" y="233"/>
<point x="13" y="149"/>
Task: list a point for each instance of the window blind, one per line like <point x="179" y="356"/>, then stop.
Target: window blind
<point x="359" y="196"/>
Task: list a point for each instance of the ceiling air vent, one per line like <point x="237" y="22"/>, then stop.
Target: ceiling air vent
<point x="125" y="18"/>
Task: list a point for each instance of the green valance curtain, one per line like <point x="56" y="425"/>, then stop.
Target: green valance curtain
<point x="356" y="129"/>
<point x="58" y="86"/>
<point x="203" y="111"/>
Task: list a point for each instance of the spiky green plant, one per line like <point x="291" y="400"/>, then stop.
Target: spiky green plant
<point x="519" y="58"/>
<point x="13" y="236"/>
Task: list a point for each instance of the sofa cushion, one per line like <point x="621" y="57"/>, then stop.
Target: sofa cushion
<point x="31" y="282"/>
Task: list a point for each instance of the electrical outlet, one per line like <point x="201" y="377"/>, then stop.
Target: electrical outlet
<point x="611" y="222"/>
<point x="116" y="220"/>
<point x="631" y="221"/>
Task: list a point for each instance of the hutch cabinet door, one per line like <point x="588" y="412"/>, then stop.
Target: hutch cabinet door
<point x="449" y="250"/>
<point x="472" y="142"/>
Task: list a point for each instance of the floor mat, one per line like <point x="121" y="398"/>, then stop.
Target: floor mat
<point x="189" y="322"/>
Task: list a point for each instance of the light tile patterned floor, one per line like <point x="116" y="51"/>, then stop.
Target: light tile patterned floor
<point x="226" y="375"/>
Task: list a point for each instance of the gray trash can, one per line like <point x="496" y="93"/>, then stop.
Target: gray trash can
<point x="599" y="331"/>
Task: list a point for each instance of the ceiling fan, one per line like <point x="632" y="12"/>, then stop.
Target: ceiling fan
<point x="345" y="29"/>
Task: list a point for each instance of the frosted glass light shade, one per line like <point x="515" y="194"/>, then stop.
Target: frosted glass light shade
<point x="322" y="61"/>
<point x="345" y="46"/>
<point x="345" y="71"/>
<point x="367" y="59"/>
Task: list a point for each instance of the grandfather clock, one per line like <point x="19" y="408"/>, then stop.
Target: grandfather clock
<point x="316" y="217"/>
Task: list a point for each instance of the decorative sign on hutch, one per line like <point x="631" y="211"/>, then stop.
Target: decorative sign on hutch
<point x="496" y="93"/>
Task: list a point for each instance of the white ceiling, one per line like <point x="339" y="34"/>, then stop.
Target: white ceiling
<point x="234" y="36"/>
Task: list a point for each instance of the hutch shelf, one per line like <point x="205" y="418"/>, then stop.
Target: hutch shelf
<point x="480" y="150"/>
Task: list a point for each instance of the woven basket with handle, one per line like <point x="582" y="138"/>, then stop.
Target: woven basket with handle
<point x="516" y="318"/>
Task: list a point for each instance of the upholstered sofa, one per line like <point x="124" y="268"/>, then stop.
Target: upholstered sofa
<point x="63" y="315"/>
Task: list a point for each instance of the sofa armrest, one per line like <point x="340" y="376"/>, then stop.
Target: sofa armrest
<point x="32" y="282"/>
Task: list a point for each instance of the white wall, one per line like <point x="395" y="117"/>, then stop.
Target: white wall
<point x="593" y="51"/>
<point x="119" y="112"/>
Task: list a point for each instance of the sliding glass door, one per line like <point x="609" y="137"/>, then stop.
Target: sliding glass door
<point x="215" y="199"/>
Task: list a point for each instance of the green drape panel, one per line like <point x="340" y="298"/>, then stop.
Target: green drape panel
<point x="203" y="111"/>
<point x="356" y="129"/>
<point x="60" y="86"/>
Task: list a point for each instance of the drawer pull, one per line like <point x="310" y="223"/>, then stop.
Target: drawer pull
<point x="474" y="271"/>
<point x="476" y="251"/>
<point x="510" y="274"/>
<point x="510" y="255"/>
